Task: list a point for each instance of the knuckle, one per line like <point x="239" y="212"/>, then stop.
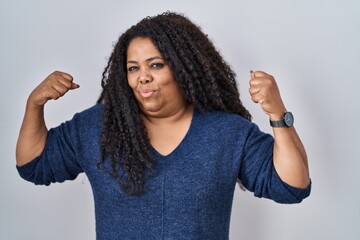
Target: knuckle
<point x="56" y="73"/>
<point x="268" y="83"/>
<point x="68" y="85"/>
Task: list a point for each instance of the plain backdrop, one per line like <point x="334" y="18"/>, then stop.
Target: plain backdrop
<point x="312" y="48"/>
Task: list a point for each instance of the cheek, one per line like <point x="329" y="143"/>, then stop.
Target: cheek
<point x="177" y="91"/>
<point x="132" y="82"/>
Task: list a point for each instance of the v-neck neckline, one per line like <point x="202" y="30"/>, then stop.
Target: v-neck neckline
<point x="183" y="141"/>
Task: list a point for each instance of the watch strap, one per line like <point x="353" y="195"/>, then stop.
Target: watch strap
<point x="277" y="124"/>
<point x="287" y="121"/>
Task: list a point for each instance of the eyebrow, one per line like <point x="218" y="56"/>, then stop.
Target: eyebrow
<point x="147" y="60"/>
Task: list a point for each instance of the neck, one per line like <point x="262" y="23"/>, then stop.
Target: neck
<point x="169" y="119"/>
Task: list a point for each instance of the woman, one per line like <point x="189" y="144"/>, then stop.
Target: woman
<point x="168" y="139"/>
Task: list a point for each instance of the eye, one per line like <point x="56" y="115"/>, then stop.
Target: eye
<point x="132" y="68"/>
<point x="157" y="65"/>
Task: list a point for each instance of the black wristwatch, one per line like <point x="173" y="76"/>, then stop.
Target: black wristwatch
<point x="287" y="121"/>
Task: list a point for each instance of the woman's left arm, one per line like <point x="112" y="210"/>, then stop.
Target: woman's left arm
<point x="289" y="155"/>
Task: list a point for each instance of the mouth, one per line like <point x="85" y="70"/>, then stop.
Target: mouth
<point x="146" y="93"/>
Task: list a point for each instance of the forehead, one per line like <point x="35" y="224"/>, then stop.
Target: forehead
<point x="142" y="46"/>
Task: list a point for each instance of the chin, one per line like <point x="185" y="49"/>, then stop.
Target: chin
<point x="149" y="109"/>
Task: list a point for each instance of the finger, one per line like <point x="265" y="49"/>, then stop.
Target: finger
<point x="262" y="82"/>
<point x="64" y="75"/>
<point x="68" y="84"/>
<point x="256" y="85"/>
<point x="258" y="93"/>
<point x="67" y="80"/>
<point x="59" y="90"/>
<point x="252" y="74"/>
<point x="254" y="89"/>
<point x="257" y="98"/>
<point x="51" y="93"/>
<point x="261" y="74"/>
<point x="74" y="86"/>
<point x="254" y="82"/>
<point x="55" y="95"/>
<point x="63" y="81"/>
<point x="257" y="82"/>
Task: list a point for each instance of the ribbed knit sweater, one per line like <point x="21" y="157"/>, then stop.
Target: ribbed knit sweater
<point x="189" y="195"/>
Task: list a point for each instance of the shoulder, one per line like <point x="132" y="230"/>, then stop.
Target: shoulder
<point x="222" y="126"/>
<point x="92" y="111"/>
<point x="91" y="114"/>
<point x="85" y="119"/>
<point x="221" y="119"/>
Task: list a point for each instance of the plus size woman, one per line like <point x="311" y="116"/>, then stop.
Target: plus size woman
<point x="168" y="139"/>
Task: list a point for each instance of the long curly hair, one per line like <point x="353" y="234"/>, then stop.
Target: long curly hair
<point x="206" y="79"/>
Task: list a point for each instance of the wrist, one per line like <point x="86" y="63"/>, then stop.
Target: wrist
<point x="286" y="120"/>
<point x="277" y="116"/>
<point x="31" y="105"/>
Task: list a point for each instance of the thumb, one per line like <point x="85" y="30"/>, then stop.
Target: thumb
<point x="74" y="86"/>
<point x="252" y="74"/>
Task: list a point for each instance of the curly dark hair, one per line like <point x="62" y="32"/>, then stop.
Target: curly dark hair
<point x="206" y="79"/>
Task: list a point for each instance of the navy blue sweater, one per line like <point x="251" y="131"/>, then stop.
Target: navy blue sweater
<point x="189" y="195"/>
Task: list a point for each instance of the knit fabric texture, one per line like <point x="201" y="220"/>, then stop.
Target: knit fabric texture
<point x="189" y="194"/>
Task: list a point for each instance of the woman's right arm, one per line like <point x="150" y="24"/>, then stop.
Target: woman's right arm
<point x="33" y="132"/>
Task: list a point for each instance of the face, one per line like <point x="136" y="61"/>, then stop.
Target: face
<point x="151" y="79"/>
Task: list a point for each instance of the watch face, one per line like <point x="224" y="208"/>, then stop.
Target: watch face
<point x="289" y="119"/>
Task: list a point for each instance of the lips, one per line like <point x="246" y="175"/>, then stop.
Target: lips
<point x="146" y="93"/>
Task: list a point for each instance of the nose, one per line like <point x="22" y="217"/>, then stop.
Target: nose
<point x="145" y="77"/>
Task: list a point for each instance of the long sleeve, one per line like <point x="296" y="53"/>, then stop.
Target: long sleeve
<point x="62" y="158"/>
<point x="257" y="172"/>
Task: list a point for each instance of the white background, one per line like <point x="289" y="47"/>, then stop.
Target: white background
<point x="311" y="47"/>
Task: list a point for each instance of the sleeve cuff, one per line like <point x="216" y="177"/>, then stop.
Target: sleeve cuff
<point x="291" y="194"/>
<point x="27" y="171"/>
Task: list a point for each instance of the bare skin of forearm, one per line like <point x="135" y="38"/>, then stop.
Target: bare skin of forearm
<point x="290" y="158"/>
<point x="32" y="136"/>
<point x="33" y="132"/>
